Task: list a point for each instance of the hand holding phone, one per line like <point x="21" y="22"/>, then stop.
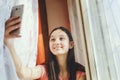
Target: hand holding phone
<point x="17" y="11"/>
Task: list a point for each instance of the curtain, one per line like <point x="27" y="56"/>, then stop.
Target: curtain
<point x="26" y="46"/>
<point x="7" y="69"/>
<point x="102" y="31"/>
<point x="41" y="52"/>
<point x="112" y="11"/>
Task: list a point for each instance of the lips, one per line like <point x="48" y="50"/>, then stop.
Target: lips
<point x="57" y="47"/>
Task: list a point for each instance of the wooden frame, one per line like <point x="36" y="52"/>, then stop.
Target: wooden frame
<point x="44" y="24"/>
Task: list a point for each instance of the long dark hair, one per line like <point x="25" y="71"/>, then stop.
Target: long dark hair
<point x="52" y="64"/>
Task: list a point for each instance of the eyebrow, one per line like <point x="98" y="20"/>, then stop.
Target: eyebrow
<point x="51" y="36"/>
<point x="59" y="35"/>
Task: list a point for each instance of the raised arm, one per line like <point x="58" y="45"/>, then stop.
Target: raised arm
<point x="22" y="71"/>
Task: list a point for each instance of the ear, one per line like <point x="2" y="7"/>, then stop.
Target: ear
<point x="71" y="44"/>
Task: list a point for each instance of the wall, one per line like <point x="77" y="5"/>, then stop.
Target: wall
<point x="57" y="13"/>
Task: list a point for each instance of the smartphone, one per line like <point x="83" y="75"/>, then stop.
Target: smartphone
<point x="17" y="11"/>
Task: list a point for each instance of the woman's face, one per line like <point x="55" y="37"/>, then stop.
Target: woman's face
<point x="59" y="42"/>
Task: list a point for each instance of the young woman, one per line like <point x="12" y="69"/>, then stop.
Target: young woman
<point x="60" y="64"/>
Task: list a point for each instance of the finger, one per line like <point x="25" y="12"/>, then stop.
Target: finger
<point x="12" y="18"/>
<point x="12" y="21"/>
<point x="10" y="29"/>
<point x="13" y="36"/>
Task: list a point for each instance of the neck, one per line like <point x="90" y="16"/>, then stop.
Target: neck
<point x="62" y="62"/>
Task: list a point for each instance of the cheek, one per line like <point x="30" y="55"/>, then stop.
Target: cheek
<point x="50" y="46"/>
<point x="66" y="45"/>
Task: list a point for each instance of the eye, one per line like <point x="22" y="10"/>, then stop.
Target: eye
<point x="52" y="39"/>
<point x="62" y="38"/>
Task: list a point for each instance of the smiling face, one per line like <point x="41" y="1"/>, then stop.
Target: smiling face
<point x="59" y="42"/>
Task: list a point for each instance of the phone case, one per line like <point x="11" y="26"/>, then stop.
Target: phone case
<point x="17" y="11"/>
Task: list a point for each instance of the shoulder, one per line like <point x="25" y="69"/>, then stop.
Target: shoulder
<point x="80" y="75"/>
<point x="43" y="68"/>
<point x="79" y="67"/>
<point x="80" y="72"/>
<point x="44" y="73"/>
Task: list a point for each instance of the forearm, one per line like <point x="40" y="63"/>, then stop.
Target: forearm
<point x="22" y="70"/>
<point x="16" y="59"/>
<point x="30" y="73"/>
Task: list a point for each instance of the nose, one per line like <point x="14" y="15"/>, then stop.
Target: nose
<point x="57" y="42"/>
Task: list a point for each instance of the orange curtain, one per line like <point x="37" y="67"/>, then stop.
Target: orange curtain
<point x="41" y="52"/>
